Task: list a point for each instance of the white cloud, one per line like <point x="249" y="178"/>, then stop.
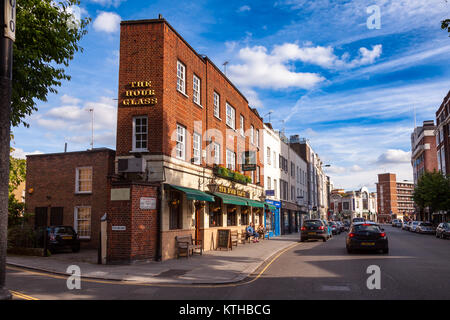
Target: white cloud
<point x="108" y="3"/>
<point x="244" y="8"/>
<point x="268" y="71"/>
<point x="108" y="22"/>
<point x="356" y="168"/>
<point x="21" y="154"/>
<point x="66" y="99"/>
<point x="394" y="156"/>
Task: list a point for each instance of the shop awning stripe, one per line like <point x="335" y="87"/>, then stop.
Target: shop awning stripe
<point x="255" y="204"/>
<point x="193" y="194"/>
<point x="228" y="199"/>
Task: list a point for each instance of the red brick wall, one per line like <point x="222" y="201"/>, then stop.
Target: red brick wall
<point x="52" y="178"/>
<point x="150" y="50"/>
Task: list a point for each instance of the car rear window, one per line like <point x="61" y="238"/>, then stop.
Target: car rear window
<point x="313" y="223"/>
<point x="426" y="225"/>
<point x="64" y="230"/>
<point x="366" y="227"/>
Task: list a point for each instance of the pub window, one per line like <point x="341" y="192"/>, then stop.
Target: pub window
<point x="244" y="216"/>
<point x="175" y="217"/>
<point x="197" y="145"/>
<point x="196" y="90"/>
<point x="216" y="105"/>
<point x="181" y="77"/>
<point x="140" y="132"/>
<point x="181" y="142"/>
<point x="83" y="180"/>
<point x="215" y="214"/>
<point x="83" y="222"/>
<point x="231" y="117"/>
<point x="231" y="216"/>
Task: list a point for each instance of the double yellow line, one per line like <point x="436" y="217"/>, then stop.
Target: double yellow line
<point x="22" y="295"/>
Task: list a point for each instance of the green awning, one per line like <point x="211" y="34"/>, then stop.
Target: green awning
<point x="255" y="204"/>
<point x="229" y="199"/>
<point x="271" y="207"/>
<point x="193" y="194"/>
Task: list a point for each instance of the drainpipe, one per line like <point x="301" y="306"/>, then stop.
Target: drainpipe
<point x="159" y="224"/>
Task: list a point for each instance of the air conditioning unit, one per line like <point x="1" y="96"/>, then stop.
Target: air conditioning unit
<point x="133" y="165"/>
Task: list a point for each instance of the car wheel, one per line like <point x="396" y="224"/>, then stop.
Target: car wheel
<point x="386" y="250"/>
<point x="442" y="236"/>
<point x="76" y="249"/>
<point x="349" y="250"/>
<point x="302" y="240"/>
<point x="324" y="239"/>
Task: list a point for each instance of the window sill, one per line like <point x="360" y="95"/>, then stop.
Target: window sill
<point x="218" y="118"/>
<point x="198" y="104"/>
<point x="139" y="151"/>
<point x="86" y="192"/>
<point x="184" y="94"/>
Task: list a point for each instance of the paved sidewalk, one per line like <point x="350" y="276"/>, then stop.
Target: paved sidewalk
<point x="212" y="267"/>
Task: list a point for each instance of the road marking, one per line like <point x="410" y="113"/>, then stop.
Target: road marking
<point x="132" y="283"/>
<point x="22" y="295"/>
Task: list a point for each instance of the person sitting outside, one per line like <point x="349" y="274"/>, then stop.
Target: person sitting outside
<point x="261" y="231"/>
<point x="252" y="233"/>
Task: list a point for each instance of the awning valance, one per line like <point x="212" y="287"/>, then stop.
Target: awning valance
<point x="271" y="207"/>
<point x="229" y="199"/>
<point x="255" y="204"/>
<point x="193" y="194"/>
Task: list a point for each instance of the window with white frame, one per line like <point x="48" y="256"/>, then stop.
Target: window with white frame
<point x="216" y="148"/>
<point x="181" y="142"/>
<point x="196" y="90"/>
<point x="241" y="122"/>
<point x="274" y="159"/>
<point x="83" y="180"/>
<point x="181" y="77"/>
<point x="197" y="147"/>
<point x="258" y="175"/>
<point x="252" y="134"/>
<point x="231" y="116"/>
<point x="275" y="188"/>
<point x="140" y="133"/>
<point x="257" y="138"/>
<point x="216" y="105"/>
<point x="82" y="221"/>
<point x="269" y="183"/>
<point x="268" y="156"/>
<point x="231" y="160"/>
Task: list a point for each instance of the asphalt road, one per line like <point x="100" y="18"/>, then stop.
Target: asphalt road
<point x="417" y="267"/>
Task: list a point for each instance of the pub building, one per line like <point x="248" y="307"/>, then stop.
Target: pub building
<point x="189" y="148"/>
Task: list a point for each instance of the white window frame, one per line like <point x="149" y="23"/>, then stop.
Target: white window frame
<point x="231" y="160"/>
<point x="217" y="154"/>
<point x="242" y="125"/>
<point x="197" y="147"/>
<point x="216" y="105"/>
<point x="181" y="77"/>
<point x="181" y="143"/>
<point x="75" y="221"/>
<point x="269" y="183"/>
<point x="134" y="149"/>
<point x="196" y="92"/>
<point x="77" y="180"/>
<point x="269" y="156"/>
<point x="252" y="134"/>
<point x="257" y="138"/>
<point x="231" y="116"/>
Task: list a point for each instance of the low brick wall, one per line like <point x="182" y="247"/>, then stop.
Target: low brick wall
<point x="27" y="251"/>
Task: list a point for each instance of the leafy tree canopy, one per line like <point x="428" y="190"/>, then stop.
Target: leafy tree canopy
<point x="433" y="191"/>
<point x="47" y="38"/>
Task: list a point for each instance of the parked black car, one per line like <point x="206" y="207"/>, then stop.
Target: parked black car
<point x="314" y="229"/>
<point x="59" y="238"/>
<point x="334" y="227"/>
<point x="367" y="236"/>
<point x="443" y="230"/>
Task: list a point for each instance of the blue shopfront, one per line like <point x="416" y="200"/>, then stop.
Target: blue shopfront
<point x="272" y="217"/>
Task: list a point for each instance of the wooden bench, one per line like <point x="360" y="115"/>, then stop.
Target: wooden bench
<point x="234" y="238"/>
<point x="188" y="246"/>
<point x="263" y="234"/>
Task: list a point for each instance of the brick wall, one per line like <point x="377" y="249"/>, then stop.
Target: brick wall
<point x="52" y="178"/>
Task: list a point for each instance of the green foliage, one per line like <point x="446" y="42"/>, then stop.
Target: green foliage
<point x="45" y="43"/>
<point x="22" y="236"/>
<point x="17" y="173"/>
<point x="445" y="25"/>
<point x="15" y="211"/>
<point x="433" y="191"/>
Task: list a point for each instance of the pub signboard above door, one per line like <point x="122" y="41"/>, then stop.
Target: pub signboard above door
<point x="233" y="191"/>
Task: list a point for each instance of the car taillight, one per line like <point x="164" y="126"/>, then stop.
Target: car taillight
<point x="383" y="234"/>
<point x="321" y="228"/>
<point x="351" y="235"/>
<point x="303" y="228"/>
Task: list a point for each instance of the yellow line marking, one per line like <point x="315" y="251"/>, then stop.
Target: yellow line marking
<point x="136" y="283"/>
<point x="22" y="295"/>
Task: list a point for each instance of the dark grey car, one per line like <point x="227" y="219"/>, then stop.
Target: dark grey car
<point x="314" y="229"/>
<point x="443" y="230"/>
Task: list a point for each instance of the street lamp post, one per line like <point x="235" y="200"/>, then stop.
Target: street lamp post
<point x="8" y="25"/>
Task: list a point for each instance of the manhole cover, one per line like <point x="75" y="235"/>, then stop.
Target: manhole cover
<point x="172" y="273"/>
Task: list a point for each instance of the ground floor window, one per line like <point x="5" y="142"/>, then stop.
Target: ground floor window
<point x="269" y="220"/>
<point x="83" y="222"/>
<point x="231" y="216"/>
<point x="175" y="217"/>
<point x="215" y="214"/>
<point x="244" y="216"/>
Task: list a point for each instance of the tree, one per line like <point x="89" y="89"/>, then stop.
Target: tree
<point x="47" y="37"/>
<point x="445" y="25"/>
<point x="432" y="191"/>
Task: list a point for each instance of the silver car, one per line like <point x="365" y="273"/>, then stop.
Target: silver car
<point x="413" y="225"/>
<point x="425" y="227"/>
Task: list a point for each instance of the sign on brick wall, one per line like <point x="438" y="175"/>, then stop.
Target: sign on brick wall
<point x="147" y="203"/>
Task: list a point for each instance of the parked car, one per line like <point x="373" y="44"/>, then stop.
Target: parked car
<point x="334" y="227"/>
<point x="425" y="227"/>
<point x="405" y="225"/>
<point x="443" y="230"/>
<point x="367" y="236"/>
<point x="358" y="220"/>
<point x="341" y="226"/>
<point x="398" y="223"/>
<point x="414" y="225"/>
<point x="314" y="229"/>
<point x="347" y="225"/>
<point x="59" y="238"/>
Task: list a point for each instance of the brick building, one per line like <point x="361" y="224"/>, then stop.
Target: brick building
<point x="70" y="188"/>
<point x="442" y="133"/>
<point x="189" y="126"/>
<point x="423" y="150"/>
<point x="394" y="198"/>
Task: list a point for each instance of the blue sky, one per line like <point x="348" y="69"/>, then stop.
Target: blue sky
<point x="315" y="65"/>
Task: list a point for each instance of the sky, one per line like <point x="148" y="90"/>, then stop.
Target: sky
<point x="347" y="75"/>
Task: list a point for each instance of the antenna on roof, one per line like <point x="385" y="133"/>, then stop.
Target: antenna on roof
<point x="160" y="16"/>
<point x="269" y="113"/>
<point x="225" y="67"/>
